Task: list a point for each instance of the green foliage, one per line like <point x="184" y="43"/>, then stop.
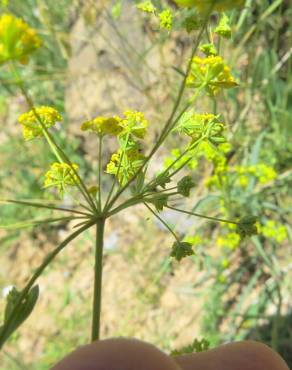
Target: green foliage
<point x="159" y="201"/>
<point x="181" y="250"/>
<point x="247" y="226"/>
<point x="251" y="176"/>
<point x="23" y="305"/>
<point x="185" y="185"/>
<point x="224" y="28"/>
<point x="196" y="346"/>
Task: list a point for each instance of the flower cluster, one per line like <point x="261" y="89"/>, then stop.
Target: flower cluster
<point x="224" y="29"/>
<point x="202" y="127"/>
<point x="272" y="229"/>
<point x="146" y="7"/>
<point x="17" y="39"/>
<point x="30" y="121"/>
<point x="165" y="19"/>
<point x="165" y="16"/>
<point x="210" y="73"/>
<point x="103" y="126"/>
<point x="124" y="164"/>
<point x="135" y="124"/>
<point x="262" y="172"/>
<point x="61" y="175"/>
<point x="230" y="241"/>
<point x="241" y="175"/>
<point x="206" y="6"/>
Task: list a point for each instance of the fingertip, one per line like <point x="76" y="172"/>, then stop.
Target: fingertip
<point x="245" y="355"/>
<point x="117" y="354"/>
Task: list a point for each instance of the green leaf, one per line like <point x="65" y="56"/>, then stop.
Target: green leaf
<point x="159" y="201"/>
<point x="139" y="183"/>
<point x="16" y="311"/>
<point x="162" y="179"/>
<point x="185" y="185"/>
<point x="181" y="250"/>
<point x="247" y="226"/>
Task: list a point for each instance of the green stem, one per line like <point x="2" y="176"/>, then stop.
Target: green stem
<point x="39" y="205"/>
<point x="152" y="192"/>
<point x="58" y="152"/>
<point x="49" y="258"/>
<point x="202" y="216"/>
<point x="162" y="221"/>
<point x="128" y="203"/>
<point x="20" y="225"/>
<point x="95" y="333"/>
<point x="123" y="148"/>
<point x="99" y="172"/>
<point x="170" y="122"/>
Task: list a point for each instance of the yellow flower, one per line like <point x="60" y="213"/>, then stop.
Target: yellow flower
<point x="17" y="39"/>
<point x="124" y="165"/>
<point x="134" y="123"/>
<point x="60" y="176"/>
<point x="263" y="172"/>
<point x="31" y="125"/>
<point x="165" y="19"/>
<point x="211" y="73"/>
<point x="225" y="263"/>
<point x="194" y="240"/>
<point x="274" y="231"/>
<point x="104" y="126"/>
<point x="206" y="6"/>
<point x="204" y="127"/>
<point x="146" y="7"/>
<point x="243" y="181"/>
<point x="230" y="241"/>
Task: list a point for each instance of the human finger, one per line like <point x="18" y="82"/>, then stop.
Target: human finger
<point x="117" y="354"/>
<point x="245" y="355"/>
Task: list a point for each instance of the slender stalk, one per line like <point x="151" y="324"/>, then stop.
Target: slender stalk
<point x="58" y="152"/>
<point x="162" y="221"/>
<point x="99" y="172"/>
<point x="118" y="172"/>
<point x="39" y="222"/>
<point x="152" y="192"/>
<point x="49" y="258"/>
<point x="40" y="205"/>
<point x="202" y="216"/>
<point x="96" y="311"/>
<point x="128" y="203"/>
<point x="170" y="122"/>
<point x="189" y="149"/>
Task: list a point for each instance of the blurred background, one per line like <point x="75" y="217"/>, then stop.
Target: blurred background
<point x="100" y="58"/>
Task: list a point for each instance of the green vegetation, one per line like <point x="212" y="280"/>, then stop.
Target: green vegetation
<point x="230" y="168"/>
